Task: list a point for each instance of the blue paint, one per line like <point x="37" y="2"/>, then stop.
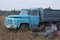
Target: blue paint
<point x="14" y="21"/>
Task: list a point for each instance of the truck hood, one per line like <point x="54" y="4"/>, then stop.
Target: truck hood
<point x="16" y="16"/>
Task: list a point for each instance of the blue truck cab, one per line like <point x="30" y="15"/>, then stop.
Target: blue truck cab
<point x="27" y="16"/>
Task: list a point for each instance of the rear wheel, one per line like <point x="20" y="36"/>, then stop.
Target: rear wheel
<point x="41" y="27"/>
<point x="24" y="27"/>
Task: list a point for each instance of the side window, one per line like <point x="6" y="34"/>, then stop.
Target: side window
<point x="29" y="12"/>
<point x="34" y="12"/>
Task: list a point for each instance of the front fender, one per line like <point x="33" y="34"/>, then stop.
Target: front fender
<point x="19" y="21"/>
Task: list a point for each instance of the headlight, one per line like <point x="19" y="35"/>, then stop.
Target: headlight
<point x="8" y="26"/>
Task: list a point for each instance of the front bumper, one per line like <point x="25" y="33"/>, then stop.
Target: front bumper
<point x="10" y="27"/>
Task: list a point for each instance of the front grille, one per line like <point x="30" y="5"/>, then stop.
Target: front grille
<point x="9" y="21"/>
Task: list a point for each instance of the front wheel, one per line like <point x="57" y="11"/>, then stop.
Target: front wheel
<point x="24" y="27"/>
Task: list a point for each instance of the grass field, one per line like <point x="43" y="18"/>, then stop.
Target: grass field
<point x="6" y="34"/>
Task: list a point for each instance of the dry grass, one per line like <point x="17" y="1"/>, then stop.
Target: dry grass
<point x="6" y="34"/>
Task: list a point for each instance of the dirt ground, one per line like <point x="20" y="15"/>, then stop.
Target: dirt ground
<point x="6" y="34"/>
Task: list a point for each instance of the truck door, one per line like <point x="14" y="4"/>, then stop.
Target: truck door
<point x="34" y="18"/>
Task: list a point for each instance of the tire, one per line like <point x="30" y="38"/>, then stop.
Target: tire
<point x="24" y="27"/>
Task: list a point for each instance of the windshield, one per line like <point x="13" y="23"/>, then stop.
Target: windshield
<point x="25" y="12"/>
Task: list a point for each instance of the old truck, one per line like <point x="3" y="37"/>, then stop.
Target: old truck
<point x="32" y="18"/>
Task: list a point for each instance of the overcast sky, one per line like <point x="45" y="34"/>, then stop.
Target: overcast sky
<point x="21" y="4"/>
